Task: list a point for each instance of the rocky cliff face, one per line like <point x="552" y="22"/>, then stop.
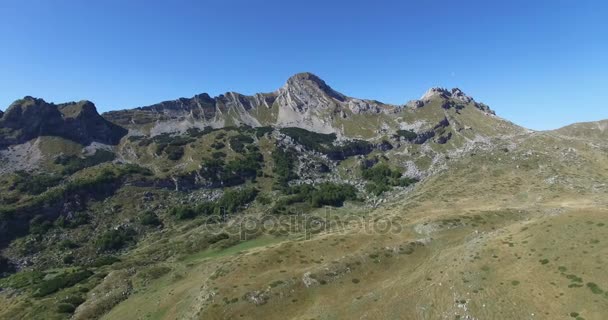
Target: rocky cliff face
<point x="304" y="101"/>
<point x="29" y="118"/>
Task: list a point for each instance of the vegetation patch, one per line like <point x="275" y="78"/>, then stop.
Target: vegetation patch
<point x="72" y="164"/>
<point x="381" y="178"/>
<point x="61" y="281"/>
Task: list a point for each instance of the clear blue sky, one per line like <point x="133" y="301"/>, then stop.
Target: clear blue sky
<point x="541" y="64"/>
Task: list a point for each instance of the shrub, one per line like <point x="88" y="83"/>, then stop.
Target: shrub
<point x="65" y="308"/>
<point x="183" y="212"/>
<point x="311" y="140"/>
<point x="73" y="163"/>
<point x="230" y="202"/>
<point x="77" y="219"/>
<point x="284" y="164"/>
<point x="262" y="131"/>
<point x="329" y="194"/>
<point x="115" y="239"/>
<point x="61" y="281"/>
<point x="104" y="261"/>
<point x="233" y="173"/>
<point x="67" y="244"/>
<point x="34" y="184"/>
<point x="238" y="142"/>
<point x="39" y="225"/>
<point x="217" y="145"/>
<point x="332" y="194"/>
<point x="73" y="300"/>
<point x="150" y="219"/>
<point x="233" y="200"/>
<point x="174" y="152"/>
<point x="218" y="155"/>
<point x="69" y="259"/>
<point x="382" y="177"/>
<point x="407" y="134"/>
<point x="594" y="288"/>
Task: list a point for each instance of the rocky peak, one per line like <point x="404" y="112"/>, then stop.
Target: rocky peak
<point x="81" y="109"/>
<point x="455" y="94"/>
<point x="29" y="118"/>
<point x="308" y="89"/>
<point x="28" y="110"/>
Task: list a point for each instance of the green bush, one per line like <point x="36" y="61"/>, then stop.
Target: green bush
<point x="39" y="225"/>
<point x="61" y="281"/>
<point x="115" y="239"/>
<point x="78" y="219"/>
<point x="183" y="212"/>
<point x="73" y="163"/>
<point x="284" y="164"/>
<point x="67" y="244"/>
<point x="34" y="184"/>
<point x="174" y="152"/>
<point x="262" y="131"/>
<point x="231" y="202"/>
<point x="407" y="134"/>
<point x="69" y="259"/>
<point x="311" y="140"/>
<point x="65" y="308"/>
<point x="21" y="279"/>
<point x="381" y="177"/>
<point x="238" y="142"/>
<point x="217" y="145"/>
<point x="331" y="194"/>
<point x="104" y="261"/>
<point x="218" y="155"/>
<point x="325" y="194"/>
<point x="150" y="219"/>
<point x="233" y="173"/>
<point x="73" y="300"/>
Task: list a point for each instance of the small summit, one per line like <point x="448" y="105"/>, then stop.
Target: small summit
<point x="455" y="94"/>
<point x="309" y="83"/>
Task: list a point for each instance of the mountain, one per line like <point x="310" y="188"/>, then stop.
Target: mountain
<point x="30" y="118"/>
<point x="305" y="101"/>
<point x="297" y="204"/>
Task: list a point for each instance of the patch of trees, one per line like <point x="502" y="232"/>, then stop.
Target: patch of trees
<point x="284" y="165"/>
<point x="311" y="140"/>
<point x="348" y="149"/>
<point x="325" y="194"/>
<point x="407" y="134"/>
<point x="72" y="164"/>
<point x="324" y="143"/>
<point x="262" y="131"/>
<point x="149" y="218"/>
<point x="231" y="202"/>
<point x="61" y="281"/>
<point x="34" y="184"/>
<point x="382" y="178"/>
<point x="235" y="172"/>
<point x="239" y="141"/>
<point x="115" y="239"/>
<point x="75" y="220"/>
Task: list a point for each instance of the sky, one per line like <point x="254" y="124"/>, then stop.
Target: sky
<point x="540" y="64"/>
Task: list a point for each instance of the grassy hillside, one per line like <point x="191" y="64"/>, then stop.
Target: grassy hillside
<point x="442" y="211"/>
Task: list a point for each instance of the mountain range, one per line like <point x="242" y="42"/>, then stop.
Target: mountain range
<point x="141" y="213"/>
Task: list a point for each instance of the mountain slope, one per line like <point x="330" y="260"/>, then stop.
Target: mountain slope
<point x="301" y="203"/>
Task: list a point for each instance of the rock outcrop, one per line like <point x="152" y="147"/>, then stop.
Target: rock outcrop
<point x="304" y="101"/>
<point x="29" y="118"/>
